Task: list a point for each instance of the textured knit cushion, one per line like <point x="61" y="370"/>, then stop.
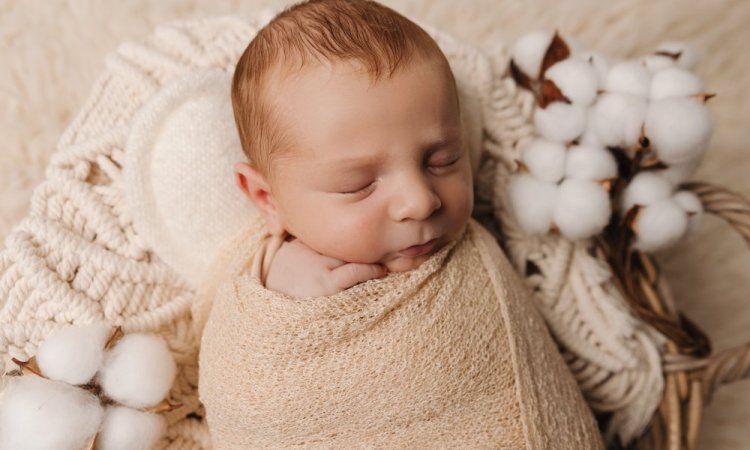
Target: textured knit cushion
<point x="178" y="175"/>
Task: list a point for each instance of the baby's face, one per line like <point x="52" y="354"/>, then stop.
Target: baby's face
<point x="376" y="168"/>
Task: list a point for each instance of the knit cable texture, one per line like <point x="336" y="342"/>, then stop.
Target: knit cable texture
<point x="76" y="258"/>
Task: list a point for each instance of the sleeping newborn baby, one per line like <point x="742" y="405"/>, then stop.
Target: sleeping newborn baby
<point x="365" y="308"/>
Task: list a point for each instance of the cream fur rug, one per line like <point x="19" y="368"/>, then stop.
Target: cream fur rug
<point x="52" y="51"/>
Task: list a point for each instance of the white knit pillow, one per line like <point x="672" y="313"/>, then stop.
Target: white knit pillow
<point x="178" y="176"/>
<point x="178" y="172"/>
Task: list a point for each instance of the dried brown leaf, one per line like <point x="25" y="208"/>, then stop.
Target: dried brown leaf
<point x="673" y="55"/>
<point x="521" y="167"/>
<point x="30" y="366"/>
<point x="549" y="92"/>
<point x="557" y="51"/>
<point x="92" y="445"/>
<point x="631" y="217"/>
<point x="704" y="96"/>
<point x="114" y="338"/>
<point x="520" y="77"/>
<point x="608" y="183"/>
<point x="164" y="406"/>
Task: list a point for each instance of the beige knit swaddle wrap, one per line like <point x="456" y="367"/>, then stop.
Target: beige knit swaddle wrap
<point x="448" y="355"/>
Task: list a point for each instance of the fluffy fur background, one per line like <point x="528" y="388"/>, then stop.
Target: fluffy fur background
<point x="52" y="50"/>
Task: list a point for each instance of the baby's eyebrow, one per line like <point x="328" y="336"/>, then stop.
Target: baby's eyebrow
<point x="354" y="163"/>
<point x="430" y="147"/>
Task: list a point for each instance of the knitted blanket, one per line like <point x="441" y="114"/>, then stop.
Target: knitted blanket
<point x="449" y="354"/>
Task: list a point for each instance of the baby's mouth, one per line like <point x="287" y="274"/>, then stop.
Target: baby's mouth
<point x="419" y="250"/>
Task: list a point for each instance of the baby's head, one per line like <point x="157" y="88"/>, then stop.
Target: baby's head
<point x="348" y="113"/>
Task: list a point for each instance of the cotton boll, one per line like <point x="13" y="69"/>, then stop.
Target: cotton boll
<point x="618" y="119"/>
<point x="655" y="63"/>
<point x="560" y="122"/>
<point x="660" y="225"/>
<point x="582" y="210"/>
<point x="687" y="56"/>
<point x="576" y="80"/>
<point x="528" y="52"/>
<point x="628" y="77"/>
<point x="545" y="159"/>
<point x="646" y="188"/>
<point x="73" y="354"/>
<point x="678" y="128"/>
<point x="128" y="429"/>
<point x="599" y="62"/>
<point x="678" y="173"/>
<point x="532" y="201"/>
<point x="36" y="413"/>
<point x="590" y="137"/>
<point x="138" y="371"/>
<point x="688" y="201"/>
<point x="692" y="205"/>
<point x="590" y="163"/>
<point x="674" y="82"/>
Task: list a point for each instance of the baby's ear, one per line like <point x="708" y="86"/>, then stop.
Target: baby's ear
<point x="255" y="186"/>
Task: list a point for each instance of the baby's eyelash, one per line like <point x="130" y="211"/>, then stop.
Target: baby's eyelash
<point x="361" y="190"/>
<point x="444" y="166"/>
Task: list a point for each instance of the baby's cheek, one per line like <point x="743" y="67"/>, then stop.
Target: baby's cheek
<point x="354" y="239"/>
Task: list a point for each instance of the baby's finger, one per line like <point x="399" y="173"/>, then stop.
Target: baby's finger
<point x="328" y="262"/>
<point x="350" y="274"/>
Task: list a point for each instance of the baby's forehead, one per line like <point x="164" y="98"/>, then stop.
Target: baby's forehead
<point x="292" y="70"/>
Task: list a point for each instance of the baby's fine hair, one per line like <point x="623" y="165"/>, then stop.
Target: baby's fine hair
<point x="313" y="32"/>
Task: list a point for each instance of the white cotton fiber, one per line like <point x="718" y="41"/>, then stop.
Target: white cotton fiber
<point x="599" y="62"/>
<point x="655" y="63"/>
<point x="128" y="429"/>
<point x="628" y="77"/>
<point x="688" y="201"/>
<point x="678" y="173"/>
<point x="679" y="129"/>
<point x="138" y="371"/>
<point x="687" y="57"/>
<point x="545" y="159"/>
<point x="528" y="52"/>
<point x="561" y="122"/>
<point x="41" y="414"/>
<point x="646" y="188"/>
<point x="582" y="209"/>
<point x="674" y="82"/>
<point x="693" y="206"/>
<point x="532" y="201"/>
<point x="590" y="163"/>
<point x="660" y="225"/>
<point x="576" y="79"/>
<point x="590" y="137"/>
<point x="73" y="354"/>
<point x="618" y="119"/>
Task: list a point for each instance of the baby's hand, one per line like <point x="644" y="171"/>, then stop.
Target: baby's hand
<point x="300" y="271"/>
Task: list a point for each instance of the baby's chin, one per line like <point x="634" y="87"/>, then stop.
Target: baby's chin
<point x="405" y="264"/>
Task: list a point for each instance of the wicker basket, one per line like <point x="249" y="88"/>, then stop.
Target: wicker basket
<point x="692" y="371"/>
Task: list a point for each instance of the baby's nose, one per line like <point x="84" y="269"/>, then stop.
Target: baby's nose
<point x="415" y="199"/>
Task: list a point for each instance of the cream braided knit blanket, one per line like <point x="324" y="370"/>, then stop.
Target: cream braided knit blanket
<point x="448" y="355"/>
<point x="76" y="258"/>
